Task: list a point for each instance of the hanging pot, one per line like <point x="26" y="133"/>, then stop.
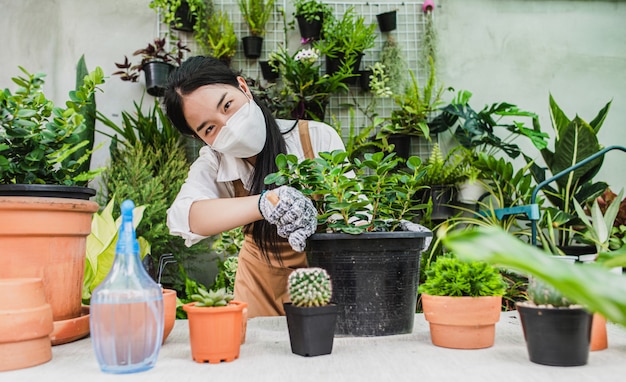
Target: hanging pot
<point x="442" y="196"/>
<point x="387" y="21"/>
<point x="364" y="79"/>
<point x="269" y="73"/>
<point x="252" y="46"/>
<point x="312" y="110"/>
<point x="186" y="20"/>
<point x="156" y="74"/>
<point x="310" y="30"/>
<point x="401" y="145"/>
<point x="333" y="65"/>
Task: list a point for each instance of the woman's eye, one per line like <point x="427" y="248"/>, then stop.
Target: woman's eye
<point x="208" y="130"/>
<point x="227" y="105"/>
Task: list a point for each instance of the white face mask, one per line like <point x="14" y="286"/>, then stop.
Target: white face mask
<point x="244" y="134"/>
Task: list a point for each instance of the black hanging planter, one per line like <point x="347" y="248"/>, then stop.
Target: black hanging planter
<point x="312" y="110"/>
<point x="252" y="46"/>
<point x="47" y="191"/>
<point x="364" y="79"/>
<point x="375" y="277"/>
<point x="402" y="145"/>
<point x="186" y="20"/>
<point x="442" y="198"/>
<point x="310" y="30"/>
<point x="556" y="336"/>
<point x="156" y="73"/>
<point x="311" y="329"/>
<point x="333" y="65"/>
<point x="387" y="21"/>
<point x="268" y="72"/>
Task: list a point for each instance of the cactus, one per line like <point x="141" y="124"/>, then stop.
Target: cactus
<point x="543" y="294"/>
<point x="212" y="298"/>
<point x="309" y="287"/>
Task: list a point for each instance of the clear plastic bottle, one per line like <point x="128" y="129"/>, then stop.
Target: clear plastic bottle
<point x="126" y="310"/>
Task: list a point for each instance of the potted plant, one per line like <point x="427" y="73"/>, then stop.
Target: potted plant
<point x="394" y="61"/>
<point x="218" y="39"/>
<point x="364" y="235"/>
<point x="462" y="301"/>
<point x="311" y="318"/>
<point x="256" y="13"/>
<point x="215" y="326"/>
<point x="387" y="20"/>
<point x="182" y="15"/>
<point x="156" y="63"/>
<point x="44" y="195"/>
<point x="594" y="288"/>
<point x="310" y="15"/>
<point x="344" y="39"/>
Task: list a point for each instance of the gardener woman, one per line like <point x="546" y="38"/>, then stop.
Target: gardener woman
<point x="224" y="188"/>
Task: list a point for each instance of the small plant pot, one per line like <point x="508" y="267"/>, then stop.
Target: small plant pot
<point x="169" y="309"/>
<point x="556" y="336"/>
<point x="311" y="329"/>
<point x="333" y="65"/>
<point x="156" y="74"/>
<point x="186" y="20"/>
<point x="364" y="80"/>
<point x="387" y="21"/>
<point x="442" y="197"/>
<point x="269" y="73"/>
<point x="310" y="30"/>
<point x="252" y="46"/>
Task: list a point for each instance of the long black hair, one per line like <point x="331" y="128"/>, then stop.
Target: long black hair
<point x="199" y="71"/>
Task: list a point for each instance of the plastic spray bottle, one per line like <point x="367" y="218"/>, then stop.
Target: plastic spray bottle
<point x="126" y="310"/>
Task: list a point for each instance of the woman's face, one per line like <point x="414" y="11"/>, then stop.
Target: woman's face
<point x="208" y="108"/>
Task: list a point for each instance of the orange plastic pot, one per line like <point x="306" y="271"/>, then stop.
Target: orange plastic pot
<point x="599" y="338"/>
<point x="462" y="322"/>
<point x="169" y="310"/>
<point x="25" y="324"/>
<point x="215" y="332"/>
<point x="45" y="238"/>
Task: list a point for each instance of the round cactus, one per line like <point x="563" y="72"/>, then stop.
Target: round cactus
<point x="309" y="287"/>
<point x="543" y="294"/>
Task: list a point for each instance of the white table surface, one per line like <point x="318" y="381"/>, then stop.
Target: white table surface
<point x="267" y="356"/>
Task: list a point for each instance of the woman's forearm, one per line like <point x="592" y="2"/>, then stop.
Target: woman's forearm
<point x="214" y="216"/>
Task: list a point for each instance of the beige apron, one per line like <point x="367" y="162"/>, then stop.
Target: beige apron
<point x="264" y="286"/>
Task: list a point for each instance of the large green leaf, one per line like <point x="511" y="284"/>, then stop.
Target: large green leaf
<point x="592" y="285"/>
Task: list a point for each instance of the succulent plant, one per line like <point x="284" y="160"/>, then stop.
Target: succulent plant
<point x="212" y="297"/>
<point x="309" y="287"/>
<point x="541" y="293"/>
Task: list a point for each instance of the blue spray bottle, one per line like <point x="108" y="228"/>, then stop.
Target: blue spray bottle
<point x="126" y="311"/>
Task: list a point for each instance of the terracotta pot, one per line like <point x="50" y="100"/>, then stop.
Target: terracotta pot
<point x="462" y="322"/>
<point x="25" y="324"/>
<point x="46" y="238"/>
<point x="599" y="340"/>
<point x="215" y="332"/>
<point x="169" y="309"/>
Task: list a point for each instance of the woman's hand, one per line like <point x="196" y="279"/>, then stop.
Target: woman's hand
<point x="293" y="214"/>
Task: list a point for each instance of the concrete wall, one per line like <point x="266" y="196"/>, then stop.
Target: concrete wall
<point x="501" y="50"/>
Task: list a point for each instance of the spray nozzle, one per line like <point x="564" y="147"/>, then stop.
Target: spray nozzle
<point x="127" y="241"/>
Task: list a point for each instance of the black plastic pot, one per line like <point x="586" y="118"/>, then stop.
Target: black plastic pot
<point x="47" y="191"/>
<point x="312" y="329"/>
<point x="556" y="336"/>
<point x="310" y="30"/>
<point x="375" y="277"/>
<point x="442" y="197"/>
<point x="252" y="46"/>
<point x="269" y="74"/>
<point x="186" y="20"/>
<point x="387" y="21"/>
<point x="156" y="73"/>
<point x="402" y="145"/>
<point x="333" y="65"/>
<point x="364" y="79"/>
<point x="311" y="110"/>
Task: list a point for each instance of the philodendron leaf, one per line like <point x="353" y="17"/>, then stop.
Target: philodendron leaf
<point x="591" y="285"/>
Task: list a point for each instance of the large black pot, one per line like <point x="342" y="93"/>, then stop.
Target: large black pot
<point x="556" y="336"/>
<point x="311" y="329"/>
<point x="374" y="276"/>
<point x="47" y="191"/>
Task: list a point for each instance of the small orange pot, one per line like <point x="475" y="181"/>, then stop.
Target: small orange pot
<point x="25" y="324"/>
<point x="462" y="322"/>
<point x="215" y="332"/>
<point x="169" y="310"/>
<point x="599" y="340"/>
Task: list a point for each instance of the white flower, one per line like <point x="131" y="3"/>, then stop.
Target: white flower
<point x="308" y="56"/>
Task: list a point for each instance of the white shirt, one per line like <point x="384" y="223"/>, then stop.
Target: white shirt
<point x="212" y="174"/>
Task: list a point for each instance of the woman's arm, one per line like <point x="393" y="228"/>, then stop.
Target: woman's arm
<point x="213" y="216"/>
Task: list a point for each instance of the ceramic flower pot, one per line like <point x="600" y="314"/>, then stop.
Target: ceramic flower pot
<point x="462" y="322"/>
<point x="25" y="324"/>
<point x="215" y="332"/>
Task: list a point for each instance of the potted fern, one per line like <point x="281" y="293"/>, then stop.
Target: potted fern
<point x="215" y="325"/>
<point x="311" y="318"/>
<point x="462" y="302"/>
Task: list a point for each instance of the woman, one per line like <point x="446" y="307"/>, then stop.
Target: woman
<point x="225" y="189"/>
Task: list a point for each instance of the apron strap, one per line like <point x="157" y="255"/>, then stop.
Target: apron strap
<point x="305" y="139"/>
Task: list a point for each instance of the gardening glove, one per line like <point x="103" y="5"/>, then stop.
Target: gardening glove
<point x="406" y="225"/>
<point x="293" y="214"/>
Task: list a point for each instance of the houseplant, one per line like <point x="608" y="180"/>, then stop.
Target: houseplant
<point x="346" y="38"/>
<point x="593" y="286"/>
<point x="310" y="15"/>
<point x="184" y="15"/>
<point x="218" y="38"/>
<point x="215" y="326"/>
<point x="462" y="302"/>
<point x="157" y="61"/>
<point x="387" y="20"/>
<point x="304" y="86"/>
<point x="44" y="198"/>
<point x="311" y="318"/>
<point x="364" y="235"/>
<point x="256" y="13"/>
